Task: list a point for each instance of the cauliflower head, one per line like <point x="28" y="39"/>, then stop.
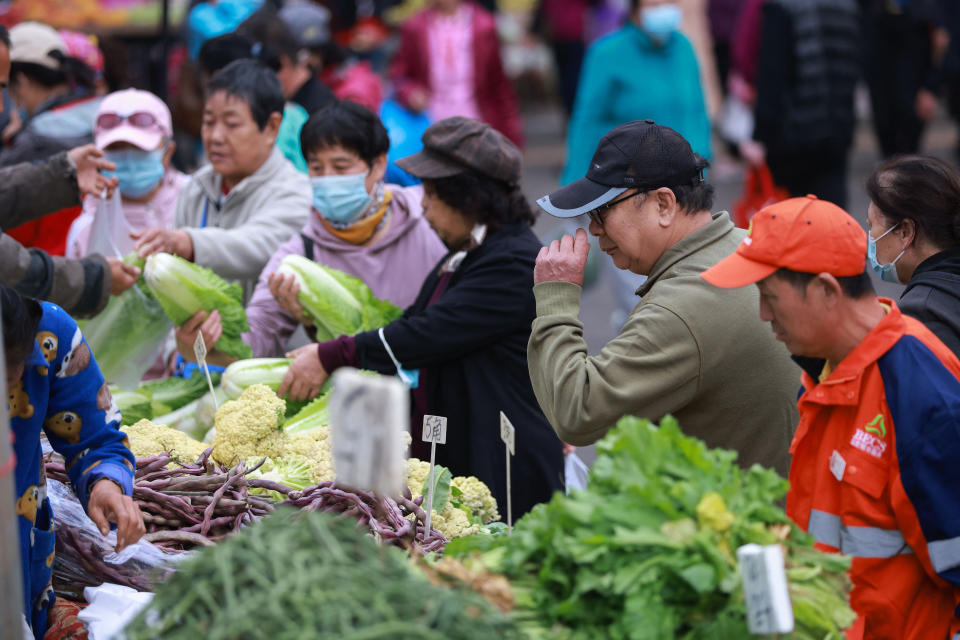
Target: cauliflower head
<point x="418" y="471"/>
<point x="476" y="497"/>
<point x="314" y="448"/>
<point x="453" y="522"/>
<point x="148" y="439"/>
<point x="250" y="426"/>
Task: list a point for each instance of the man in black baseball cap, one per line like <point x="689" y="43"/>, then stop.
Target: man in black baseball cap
<point x="698" y="353"/>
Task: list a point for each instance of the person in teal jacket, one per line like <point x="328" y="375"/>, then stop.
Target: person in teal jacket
<point x="647" y="70"/>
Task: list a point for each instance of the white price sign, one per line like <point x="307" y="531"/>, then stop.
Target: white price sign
<point x="509" y="436"/>
<point x="765" y="589"/>
<point x="368" y="417"/>
<point x="508" y="433"/>
<point x="200" y="351"/>
<point x="435" y="429"/>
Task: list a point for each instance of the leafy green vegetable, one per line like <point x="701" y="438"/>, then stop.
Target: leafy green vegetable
<point x="125" y="337"/>
<point x="648" y="550"/>
<point x="169" y="394"/>
<point x="183" y="288"/>
<point x="313" y="416"/>
<point x="441" y="488"/>
<point x="339" y="304"/>
<point x="134" y="406"/>
<point x="269" y="371"/>
<point x="311" y="575"/>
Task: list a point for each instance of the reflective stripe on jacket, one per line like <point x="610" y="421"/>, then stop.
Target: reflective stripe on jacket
<point x="876" y="467"/>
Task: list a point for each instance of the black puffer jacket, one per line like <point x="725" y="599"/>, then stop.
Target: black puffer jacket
<point x="933" y="296"/>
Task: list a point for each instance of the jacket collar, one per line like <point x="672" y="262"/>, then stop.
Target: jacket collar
<point x="842" y="386"/>
<point x="210" y="181"/>
<point x="720" y="227"/>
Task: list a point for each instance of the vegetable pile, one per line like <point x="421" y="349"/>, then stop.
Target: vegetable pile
<point x="190" y="505"/>
<point x="183" y="288"/>
<point x="648" y="551"/>
<point x="338" y="303"/>
<point x="298" y="575"/>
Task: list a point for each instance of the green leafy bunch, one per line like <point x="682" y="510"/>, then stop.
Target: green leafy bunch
<point x="648" y="550"/>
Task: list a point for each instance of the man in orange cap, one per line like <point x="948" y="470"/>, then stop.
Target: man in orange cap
<point x="875" y="471"/>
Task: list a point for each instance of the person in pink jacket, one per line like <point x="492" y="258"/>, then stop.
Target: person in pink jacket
<point x="449" y="65"/>
<point x="359" y="225"/>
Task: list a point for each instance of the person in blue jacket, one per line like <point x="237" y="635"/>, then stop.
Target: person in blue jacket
<point x="54" y="384"/>
<point x="646" y="70"/>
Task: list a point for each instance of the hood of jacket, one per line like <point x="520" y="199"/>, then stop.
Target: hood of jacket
<point x="940" y="271"/>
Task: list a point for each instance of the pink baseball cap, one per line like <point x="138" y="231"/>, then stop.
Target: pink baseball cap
<point x="133" y="116"/>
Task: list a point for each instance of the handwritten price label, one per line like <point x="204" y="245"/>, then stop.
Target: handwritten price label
<point x="765" y="589"/>
<point x="200" y="348"/>
<point x="508" y="433"/>
<point x="435" y="429"/>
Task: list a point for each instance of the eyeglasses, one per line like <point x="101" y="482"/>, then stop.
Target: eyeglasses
<point x="597" y="214"/>
<point x="139" y="119"/>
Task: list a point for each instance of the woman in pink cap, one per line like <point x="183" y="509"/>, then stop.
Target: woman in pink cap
<point x="133" y="128"/>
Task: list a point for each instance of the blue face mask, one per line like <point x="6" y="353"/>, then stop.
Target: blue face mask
<point x="137" y="171"/>
<point x="341" y="199"/>
<point x="887" y="272"/>
<point x="660" y="21"/>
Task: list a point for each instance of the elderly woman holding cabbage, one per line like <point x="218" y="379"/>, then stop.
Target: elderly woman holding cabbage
<point x="462" y="343"/>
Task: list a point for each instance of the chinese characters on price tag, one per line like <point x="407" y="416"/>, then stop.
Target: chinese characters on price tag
<point x="509" y="436"/>
<point x="765" y="589"/>
<point x="434" y="432"/>
<point x="368" y="417"/>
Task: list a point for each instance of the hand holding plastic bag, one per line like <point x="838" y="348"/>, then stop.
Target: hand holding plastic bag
<point x="110" y="231"/>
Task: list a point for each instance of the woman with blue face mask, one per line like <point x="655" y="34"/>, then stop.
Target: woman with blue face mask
<point x="357" y="224"/>
<point x="134" y="129"/>
<point x="914" y="239"/>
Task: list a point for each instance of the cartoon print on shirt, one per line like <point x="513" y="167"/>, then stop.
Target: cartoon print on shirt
<point x="77" y="360"/>
<point x="19" y="402"/>
<point x="66" y="425"/>
<point x="105" y="403"/>
<point x="48" y="345"/>
<point x="27" y="503"/>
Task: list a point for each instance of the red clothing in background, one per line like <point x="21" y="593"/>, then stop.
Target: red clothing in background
<point x="410" y="70"/>
<point x="48" y="233"/>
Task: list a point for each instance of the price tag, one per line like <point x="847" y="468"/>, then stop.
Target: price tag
<point x="765" y="589"/>
<point x="368" y="417"/>
<point x="435" y="429"/>
<point x="509" y="436"/>
<point x="508" y="433"/>
<point x="200" y="351"/>
<point x="434" y="432"/>
<point x="200" y="348"/>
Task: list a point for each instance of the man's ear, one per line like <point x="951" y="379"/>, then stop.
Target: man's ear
<point x="667" y="208"/>
<point x="827" y="287"/>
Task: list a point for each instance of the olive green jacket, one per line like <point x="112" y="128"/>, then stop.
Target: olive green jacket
<point x="688" y="349"/>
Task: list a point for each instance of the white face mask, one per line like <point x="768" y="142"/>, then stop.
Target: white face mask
<point x="661" y="20"/>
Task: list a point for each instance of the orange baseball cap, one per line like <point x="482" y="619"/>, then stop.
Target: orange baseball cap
<point x="800" y="234"/>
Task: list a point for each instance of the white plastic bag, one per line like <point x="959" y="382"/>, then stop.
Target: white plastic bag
<point x="575" y="472"/>
<point x="110" y="231"/>
<point x="112" y="607"/>
<point x="735" y="121"/>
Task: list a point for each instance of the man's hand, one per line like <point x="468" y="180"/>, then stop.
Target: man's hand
<point x="305" y="376"/>
<point x="89" y="162"/>
<point x="108" y="504"/>
<point x="172" y="241"/>
<point x="564" y="260"/>
<point x="122" y="275"/>
<point x="285" y="290"/>
<point x="210" y="326"/>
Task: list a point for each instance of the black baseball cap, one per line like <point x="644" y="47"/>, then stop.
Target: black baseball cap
<point x="636" y="155"/>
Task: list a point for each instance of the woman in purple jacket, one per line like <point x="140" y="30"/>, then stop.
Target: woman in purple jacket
<point x="370" y="230"/>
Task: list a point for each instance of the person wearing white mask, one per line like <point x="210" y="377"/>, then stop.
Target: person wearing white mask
<point x="358" y="224"/>
<point x="914" y="239"/>
<point x="134" y="129"/>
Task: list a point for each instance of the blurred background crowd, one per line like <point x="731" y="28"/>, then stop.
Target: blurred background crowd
<point x="783" y="96"/>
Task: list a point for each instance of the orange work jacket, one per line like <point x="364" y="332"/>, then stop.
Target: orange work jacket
<point x="876" y="476"/>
